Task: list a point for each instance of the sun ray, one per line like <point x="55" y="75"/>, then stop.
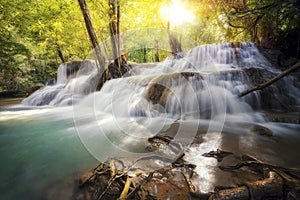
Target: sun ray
<point x="176" y="13"/>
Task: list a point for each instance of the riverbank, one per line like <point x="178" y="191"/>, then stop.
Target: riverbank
<point x="266" y="168"/>
<point x="10" y="101"/>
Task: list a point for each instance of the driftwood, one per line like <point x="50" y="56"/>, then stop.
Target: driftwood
<point x="280" y="182"/>
<point x="273" y="80"/>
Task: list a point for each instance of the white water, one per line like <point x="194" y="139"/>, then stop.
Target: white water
<point x="68" y="90"/>
<point x="213" y="97"/>
<point x="220" y="65"/>
<point x="117" y="120"/>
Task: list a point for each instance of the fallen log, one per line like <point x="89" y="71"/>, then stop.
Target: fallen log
<point x="273" y="80"/>
<point x="269" y="188"/>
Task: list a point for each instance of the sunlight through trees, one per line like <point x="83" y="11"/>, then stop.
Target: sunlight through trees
<point x="36" y="36"/>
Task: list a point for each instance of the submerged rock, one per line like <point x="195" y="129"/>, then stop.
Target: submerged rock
<point x="261" y="130"/>
<point x="219" y="154"/>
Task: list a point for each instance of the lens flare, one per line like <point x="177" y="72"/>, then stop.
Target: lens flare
<point x="176" y="13"/>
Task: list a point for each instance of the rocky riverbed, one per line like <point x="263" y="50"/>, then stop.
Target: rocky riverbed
<point x="237" y="173"/>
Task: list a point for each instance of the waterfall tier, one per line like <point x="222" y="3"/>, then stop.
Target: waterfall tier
<point x="201" y="83"/>
<point x="74" y="81"/>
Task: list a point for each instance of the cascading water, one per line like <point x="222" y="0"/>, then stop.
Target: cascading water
<point x="203" y="84"/>
<point x="221" y="72"/>
<point x="198" y="90"/>
<point x="74" y="81"/>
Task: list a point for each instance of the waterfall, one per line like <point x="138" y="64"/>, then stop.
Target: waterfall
<point x="74" y="81"/>
<point x="62" y="76"/>
<point x="194" y="96"/>
<point x="202" y="83"/>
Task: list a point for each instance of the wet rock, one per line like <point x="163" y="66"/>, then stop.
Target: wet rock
<point x="116" y="69"/>
<point x="276" y="182"/>
<point x="35" y="88"/>
<point x="73" y="67"/>
<point x="85" y="177"/>
<point x="277" y="58"/>
<point x="240" y="193"/>
<point x="158" y="94"/>
<point x="261" y="130"/>
<point x="286" y="117"/>
<point x="159" y="88"/>
<point x="219" y="154"/>
<point x="274" y="96"/>
<point x="164" y="144"/>
<point x="269" y="188"/>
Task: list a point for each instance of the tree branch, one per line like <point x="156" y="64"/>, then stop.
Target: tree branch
<point x="273" y="80"/>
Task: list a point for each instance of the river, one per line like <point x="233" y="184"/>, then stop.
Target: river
<point x="61" y="131"/>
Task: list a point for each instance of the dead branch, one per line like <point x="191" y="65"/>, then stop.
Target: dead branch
<point x="270" y="82"/>
<point x="126" y="189"/>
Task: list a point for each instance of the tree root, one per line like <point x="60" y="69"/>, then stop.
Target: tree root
<point x="280" y="182"/>
<point x="108" y="181"/>
<point x="271" y="187"/>
<point x="125" y="189"/>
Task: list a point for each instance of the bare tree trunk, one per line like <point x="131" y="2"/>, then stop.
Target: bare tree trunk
<point x="273" y="80"/>
<point x="119" y="66"/>
<point x="145" y="54"/>
<point x="93" y="36"/>
<point x="60" y="54"/>
<point x="114" y="27"/>
<point x="174" y="42"/>
<point x="156" y="51"/>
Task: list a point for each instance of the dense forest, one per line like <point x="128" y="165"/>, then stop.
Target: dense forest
<point x="36" y="36"/>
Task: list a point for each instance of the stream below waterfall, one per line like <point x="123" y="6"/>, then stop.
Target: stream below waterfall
<point x="63" y="130"/>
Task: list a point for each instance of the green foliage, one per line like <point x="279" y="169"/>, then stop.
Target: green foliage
<point x="33" y="32"/>
<point x="144" y="54"/>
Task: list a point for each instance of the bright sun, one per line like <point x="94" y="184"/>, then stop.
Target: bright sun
<point x="176" y="13"/>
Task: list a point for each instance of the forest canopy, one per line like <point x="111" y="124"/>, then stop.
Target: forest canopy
<point x="36" y="36"/>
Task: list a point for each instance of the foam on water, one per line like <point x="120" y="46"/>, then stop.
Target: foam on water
<point x="69" y="89"/>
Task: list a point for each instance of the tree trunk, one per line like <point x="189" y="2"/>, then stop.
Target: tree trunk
<point x="156" y="51"/>
<point x="119" y="66"/>
<point x="60" y="54"/>
<point x="93" y="36"/>
<point x="174" y="42"/>
<point x="114" y="27"/>
<point x="145" y="54"/>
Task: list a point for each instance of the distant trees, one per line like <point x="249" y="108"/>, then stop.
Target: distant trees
<point x="36" y="36"/>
